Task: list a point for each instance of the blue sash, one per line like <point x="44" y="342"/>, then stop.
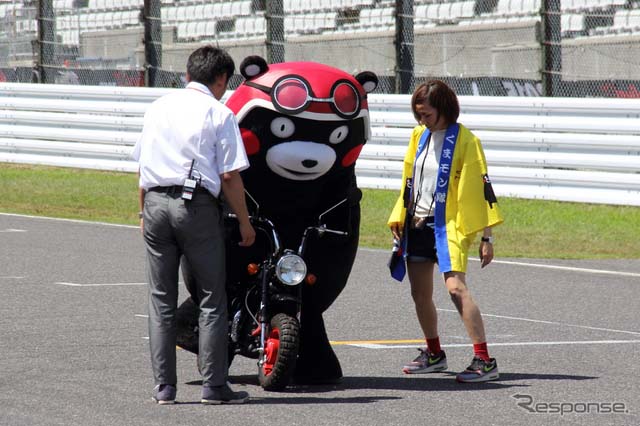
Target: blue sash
<point x="442" y="187"/>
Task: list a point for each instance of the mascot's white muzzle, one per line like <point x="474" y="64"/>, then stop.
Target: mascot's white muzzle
<point x="300" y="160"/>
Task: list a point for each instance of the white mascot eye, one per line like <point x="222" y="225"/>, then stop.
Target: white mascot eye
<point x="282" y="127"/>
<point x="339" y="134"/>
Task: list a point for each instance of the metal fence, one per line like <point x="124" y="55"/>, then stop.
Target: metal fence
<point x="560" y="48"/>
<point x="548" y="148"/>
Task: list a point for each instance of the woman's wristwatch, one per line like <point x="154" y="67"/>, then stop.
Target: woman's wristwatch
<point x="487" y="240"/>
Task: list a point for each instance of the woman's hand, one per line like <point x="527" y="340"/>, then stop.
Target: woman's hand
<point x="396" y="230"/>
<point x="486" y="253"/>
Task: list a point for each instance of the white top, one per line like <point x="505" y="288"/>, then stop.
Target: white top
<point x="426" y="174"/>
<point x="187" y="125"/>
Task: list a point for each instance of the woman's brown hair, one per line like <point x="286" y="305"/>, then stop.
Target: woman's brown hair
<point x="440" y="96"/>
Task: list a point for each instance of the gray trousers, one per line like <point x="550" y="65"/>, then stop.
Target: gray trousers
<point x="172" y="228"/>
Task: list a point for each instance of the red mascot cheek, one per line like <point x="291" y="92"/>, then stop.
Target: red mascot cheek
<point x="351" y="156"/>
<point x="251" y="141"/>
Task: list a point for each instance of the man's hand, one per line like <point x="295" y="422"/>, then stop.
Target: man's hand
<point x="233" y="189"/>
<point x="248" y="234"/>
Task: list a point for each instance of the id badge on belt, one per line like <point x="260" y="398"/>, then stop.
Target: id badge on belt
<point x="188" y="188"/>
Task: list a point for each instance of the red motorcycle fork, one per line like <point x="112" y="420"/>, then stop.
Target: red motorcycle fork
<point x="271" y="347"/>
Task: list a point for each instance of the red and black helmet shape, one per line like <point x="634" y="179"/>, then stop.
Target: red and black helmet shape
<point x="305" y="89"/>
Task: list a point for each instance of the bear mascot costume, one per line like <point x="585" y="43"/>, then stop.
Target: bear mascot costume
<point x="303" y="125"/>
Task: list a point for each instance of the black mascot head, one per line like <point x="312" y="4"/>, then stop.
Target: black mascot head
<point x="303" y="125"/>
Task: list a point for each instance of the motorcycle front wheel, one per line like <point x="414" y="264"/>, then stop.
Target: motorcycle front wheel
<point x="280" y="353"/>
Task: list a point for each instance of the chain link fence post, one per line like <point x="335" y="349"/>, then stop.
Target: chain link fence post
<point x="404" y="46"/>
<point x="45" y="43"/>
<point x="551" y="48"/>
<point x="152" y="41"/>
<point x="275" y="31"/>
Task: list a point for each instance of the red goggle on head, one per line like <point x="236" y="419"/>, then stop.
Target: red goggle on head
<point x="292" y="94"/>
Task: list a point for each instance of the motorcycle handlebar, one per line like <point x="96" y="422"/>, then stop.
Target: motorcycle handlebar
<point x="323" y="229"/>
<point x="264" y="225"/>
<point x="267" y="226"/>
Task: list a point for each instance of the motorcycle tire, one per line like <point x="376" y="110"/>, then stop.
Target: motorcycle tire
<point x="281" y="353"/>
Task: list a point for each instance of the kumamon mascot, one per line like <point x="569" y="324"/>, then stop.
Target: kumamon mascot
<point x="303" y="125"/>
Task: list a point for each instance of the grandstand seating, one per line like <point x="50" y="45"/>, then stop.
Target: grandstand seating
<point x="444" y="12"/>
<point x="624" y="21"/>
<point x="591" y="5"/>
<point x="199" y="19"/>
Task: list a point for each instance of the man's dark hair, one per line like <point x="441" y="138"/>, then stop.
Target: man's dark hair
<point x="207" y="63"/>
<point x="440" y="96"/>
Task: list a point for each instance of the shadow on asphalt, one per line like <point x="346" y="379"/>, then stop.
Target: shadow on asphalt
<point x="290" y="399"/>
<point x="522" y="376"/>
<point x="445" y="382"/>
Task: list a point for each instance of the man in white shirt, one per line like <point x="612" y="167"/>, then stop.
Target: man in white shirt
<point x="190" y="151"/>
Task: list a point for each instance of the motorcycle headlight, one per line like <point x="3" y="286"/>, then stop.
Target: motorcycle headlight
<point x="291" y="269"/>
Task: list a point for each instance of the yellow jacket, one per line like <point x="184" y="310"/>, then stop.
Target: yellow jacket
<point x="468" y="205"/>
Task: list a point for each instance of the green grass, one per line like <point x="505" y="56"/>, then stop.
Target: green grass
<point x="69" y="193"/>
<point x="535" y="228"/>
<point x="532" y="228"/>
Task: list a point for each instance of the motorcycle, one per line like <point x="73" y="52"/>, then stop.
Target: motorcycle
<point x="264" y="292"/>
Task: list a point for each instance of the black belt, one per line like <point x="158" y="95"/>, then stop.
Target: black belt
<point x="177" y="189"/>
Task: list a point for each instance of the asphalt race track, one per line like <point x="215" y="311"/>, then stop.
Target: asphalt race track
<point x="74" y="348"/>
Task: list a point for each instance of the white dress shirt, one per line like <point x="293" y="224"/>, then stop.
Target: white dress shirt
<point x="188" y="125"/>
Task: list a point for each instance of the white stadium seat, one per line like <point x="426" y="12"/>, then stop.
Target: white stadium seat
<point x="209" y="11"/>
<point x="468" y="9"/>
<point x="192" y="30"/>
<point x="572" y="23"/>
<point x="181" y="30"/>
<point x="245" y="8"/>
<point x="181" y="15"/>
<point x="198" y="11"/>
<point x="261" y="25"/>
<point x="201" y="29"/>
<point x="241" y="26"/>
<point x="210" y="28"/>
<point x="226" y="10"/>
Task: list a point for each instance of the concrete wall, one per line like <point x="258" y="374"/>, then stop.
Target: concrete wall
<point x="120" y="44"/>
<point x="498" y="50"/>
<point x="601" y="58"/>
<point x="509" y="50"/>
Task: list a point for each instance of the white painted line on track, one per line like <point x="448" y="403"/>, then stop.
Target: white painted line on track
<point x="611" y="330"/>
<point x="464" y="345"/>
<point x="141" y="316"/>
<point x="506" y="262"/>
<point x="12" y="230"/>
<point x="569" y="268"/>
<point x="88" y="222"/>
<point x="98" y="285"/>
<point x="11" y="278"/>
<point x="540" y="265"/>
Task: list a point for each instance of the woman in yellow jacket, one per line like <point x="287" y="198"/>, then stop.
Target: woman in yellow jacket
<point x="445" y="201"/>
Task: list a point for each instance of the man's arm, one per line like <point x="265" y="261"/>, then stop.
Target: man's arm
<point x="140" y="203"/>
<point x="233" y="190"/>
